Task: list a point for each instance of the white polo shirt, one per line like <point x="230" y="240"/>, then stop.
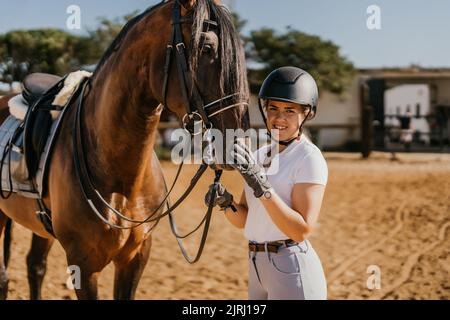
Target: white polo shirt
<point x="300" y="162"/>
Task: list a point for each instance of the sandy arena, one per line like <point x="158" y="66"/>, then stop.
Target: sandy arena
<point x="394" y="215"/>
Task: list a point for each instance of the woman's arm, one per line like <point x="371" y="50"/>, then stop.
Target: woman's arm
<point x="297" y="222"/>
<point x="238" y="218"/>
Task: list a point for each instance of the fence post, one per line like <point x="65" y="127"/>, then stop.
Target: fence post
<point x="367" y="131"/>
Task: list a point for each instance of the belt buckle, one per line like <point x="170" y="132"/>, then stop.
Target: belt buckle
<point x="286" y="243"/>
<point x="277" y="243"/>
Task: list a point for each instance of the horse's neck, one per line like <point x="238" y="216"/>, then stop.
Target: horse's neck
<point x="122" y="121"/>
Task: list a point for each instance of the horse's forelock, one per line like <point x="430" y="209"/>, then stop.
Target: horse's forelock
<point x="233" y="74"/>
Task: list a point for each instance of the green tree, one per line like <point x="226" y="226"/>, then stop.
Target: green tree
<point x="46" y="50"/>
<point x="54" y="51"/>
<point x="322" y="59"/>
<point x="238" y="22"/>
<point x="101" y="37"/>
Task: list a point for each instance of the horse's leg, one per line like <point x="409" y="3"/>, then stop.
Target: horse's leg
<point x="88" y="266"/>
<point x="129" y="269"/>
<point x="89" y="285"/>
<point x="88" y="280"/>
<point x="3" y="274"/>
<point x="37" y="264"/>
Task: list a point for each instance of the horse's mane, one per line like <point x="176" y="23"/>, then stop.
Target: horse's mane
<point x="233" y="75"/>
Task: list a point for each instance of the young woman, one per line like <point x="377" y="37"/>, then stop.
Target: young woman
<point x="283" y="193"/>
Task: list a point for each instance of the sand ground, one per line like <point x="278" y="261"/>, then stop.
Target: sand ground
<point x="377" y="213"/>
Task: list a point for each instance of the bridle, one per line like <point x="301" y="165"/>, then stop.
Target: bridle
<point x="195" y="108"/>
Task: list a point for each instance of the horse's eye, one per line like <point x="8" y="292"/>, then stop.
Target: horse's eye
<point x="207" y="48"/>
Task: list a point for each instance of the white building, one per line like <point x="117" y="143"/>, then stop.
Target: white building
<point x="413" y="98"/>
<point x="340" y="122"/>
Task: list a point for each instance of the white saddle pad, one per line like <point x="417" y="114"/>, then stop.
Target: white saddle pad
<point x="18" y="107"/>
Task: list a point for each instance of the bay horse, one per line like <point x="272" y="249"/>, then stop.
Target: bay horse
<point x="122" y="106"/>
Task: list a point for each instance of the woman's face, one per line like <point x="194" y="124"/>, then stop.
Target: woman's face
<point x="284" y="119"/>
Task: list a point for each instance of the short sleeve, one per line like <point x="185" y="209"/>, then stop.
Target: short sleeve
<point x="312" y="169"/>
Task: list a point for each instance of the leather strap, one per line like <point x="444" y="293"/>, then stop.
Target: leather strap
<point x="194" y="102"/>
<point x="89" y="190"/>
<point x="273" y="246"/>
<point x="206" y="220"/>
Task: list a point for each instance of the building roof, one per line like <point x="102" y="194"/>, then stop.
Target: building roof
<point x="410" y="72"/>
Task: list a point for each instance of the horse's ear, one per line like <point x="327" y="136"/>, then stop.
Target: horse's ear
<point x="187" y="5"/>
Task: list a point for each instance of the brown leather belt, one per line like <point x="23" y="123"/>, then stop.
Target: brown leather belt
<point x="273" y="246"/>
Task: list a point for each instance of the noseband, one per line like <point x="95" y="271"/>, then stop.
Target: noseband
<point x="195" y="107"/>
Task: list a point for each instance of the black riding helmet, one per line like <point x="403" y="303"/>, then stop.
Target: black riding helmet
<point x="290" y="84"/>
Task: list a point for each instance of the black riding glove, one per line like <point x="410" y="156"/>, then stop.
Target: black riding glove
<point x="224" y="199"/>
<point x="253" y="174"/>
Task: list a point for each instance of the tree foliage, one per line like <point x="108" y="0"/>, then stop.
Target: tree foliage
<point x="59" y="52"/>
<point x="103" y="36"/>
<point x="52" y="50"/>
<point x="320" y="58"/>
<point x="46" y="50"/>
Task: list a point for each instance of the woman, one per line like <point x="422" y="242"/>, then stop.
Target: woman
<point x="283" y="193"/>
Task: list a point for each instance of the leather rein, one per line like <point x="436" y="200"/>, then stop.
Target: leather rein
<point x="195" y="108"/>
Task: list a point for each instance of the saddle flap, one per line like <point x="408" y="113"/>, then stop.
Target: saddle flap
<point x="37" y="129"/>
<point x="12" y="164"/>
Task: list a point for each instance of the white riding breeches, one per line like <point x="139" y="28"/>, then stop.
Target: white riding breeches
<point x="294" y="273"/>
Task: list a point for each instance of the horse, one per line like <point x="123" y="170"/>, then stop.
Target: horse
<point x="181" y="55"/>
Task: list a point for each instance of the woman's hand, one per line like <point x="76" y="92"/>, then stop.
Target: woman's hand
<point x="223" y="199"/>
<point x="253" y="174"/>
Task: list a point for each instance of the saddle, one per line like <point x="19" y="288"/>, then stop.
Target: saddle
<point x="35" y="118"/>
<point x="36" y="85"/>
<point x="31" y="136"/>
<point x="39" y="91"/>
<point x="27" y="136"/>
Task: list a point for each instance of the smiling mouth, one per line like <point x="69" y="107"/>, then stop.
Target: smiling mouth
<point x="280" y="128"/>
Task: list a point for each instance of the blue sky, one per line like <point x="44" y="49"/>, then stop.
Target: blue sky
<point x="412" y="31"/>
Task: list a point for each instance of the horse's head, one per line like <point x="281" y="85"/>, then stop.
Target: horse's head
<point x="201" y="67"/>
